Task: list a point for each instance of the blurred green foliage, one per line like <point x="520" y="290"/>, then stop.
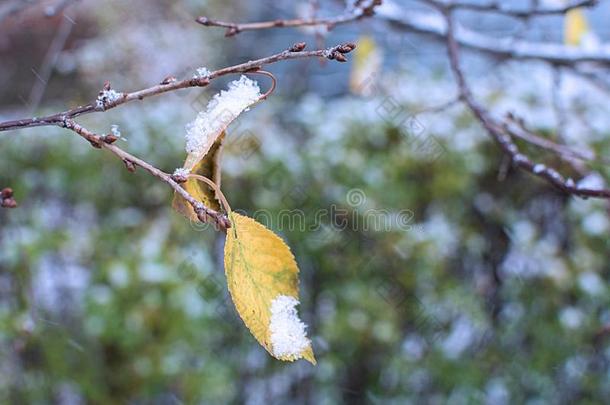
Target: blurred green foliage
<point x="492" y="290"/>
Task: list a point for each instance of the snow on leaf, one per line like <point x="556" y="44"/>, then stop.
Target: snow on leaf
<point x="223" y="109"/>
<point x="262" y="276"/>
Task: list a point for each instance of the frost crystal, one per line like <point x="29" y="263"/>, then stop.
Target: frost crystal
<point x="114" y="128"/>
<point x="182" y="172"/>
<point x="107" y="96"/>
<point x="539" y="168"/>
<point x="220" y="111"/>
<point x="202" y="73"/>
<point x="593" y="181"/>
<point x="288" y="337"/>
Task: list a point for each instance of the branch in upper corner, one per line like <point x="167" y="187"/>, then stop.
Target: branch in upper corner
<point x="363" y="8"/>
<point x="510" y="11"/>
<point x="429" y="23"/>
<point x="109" y="98"/>
<point x="495" y="128"/>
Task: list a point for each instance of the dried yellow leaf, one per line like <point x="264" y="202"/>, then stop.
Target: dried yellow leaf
<point x="208" y="167"/>
<point x="576" y="27"/>
<point x="262" y="276"/>
<point x="366" y="67"/>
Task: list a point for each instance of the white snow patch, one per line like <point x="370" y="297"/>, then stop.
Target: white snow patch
<point x="593" y="181"/>
<point x="115" y="130"/>
<point x="220" y="111"/>
<point x="182" y="172"/>
<point x="106" y="97"/>
<point x="288" y="337"/>
<point x="539" y="168"/>
<point x="202" y="73"/>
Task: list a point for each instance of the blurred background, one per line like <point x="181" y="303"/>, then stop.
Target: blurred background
<point x="431" y="271"/>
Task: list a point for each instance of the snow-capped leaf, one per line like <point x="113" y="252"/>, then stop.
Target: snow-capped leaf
<point x="262" y="276"/>
<point x="220" y="112"/>
<point x="208" y="167"/>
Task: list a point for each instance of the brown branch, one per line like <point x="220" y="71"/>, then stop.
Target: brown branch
<point x="204" y="213"/>
<point x="516" y="128"/>
<point x="499" y="7"/>
<point x="108" y="98"/>
<point x="496" y="130"/>
<point x="362" y="9"/>
<point x="502" y="48"/>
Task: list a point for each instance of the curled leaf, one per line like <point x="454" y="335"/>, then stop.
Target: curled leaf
<point x="262" y="276"/>
<point x="204" y="139"/>
<point x="208" y="167"/>
<point x="221" y="111"/>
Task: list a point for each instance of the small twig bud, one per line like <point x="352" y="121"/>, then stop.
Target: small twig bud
<point x="298" y="47"/>
<point x="179" y="178"/>
<point x="168" y="80"/>
<point x="6" y="198"/>
<point x="203" y="20"/>
<point x="106" y="85"/>
<point x="129" y="165"/>
<point x="340" y="57"/>
<point x="6" y="192"/>
<point x="224" y="222"/>
<point x="346" y="48"/>
<point x="231" y="31"/>
<point x="202" y="216"/>
<point x="110" y="138"/>
<point x="9" y="203"/>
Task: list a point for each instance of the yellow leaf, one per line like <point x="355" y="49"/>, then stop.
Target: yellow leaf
<point x="366" y="66"/>
<point x="576" y="27"/>
<point x="208" y="167"/>
<point x="262" y="276"/>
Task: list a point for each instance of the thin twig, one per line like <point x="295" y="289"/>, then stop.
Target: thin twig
<point x="204" y="213"/>
<point x="496" y="130"/>
<point x="499" y="7"/>
<point x="108" y="99"/>
<point x="363" y="9"/>
<point x="502" y="48"/>
<point x="103" y="103"/>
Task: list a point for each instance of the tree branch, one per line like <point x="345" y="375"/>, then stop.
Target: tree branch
<point x="204" y="213"/>
<point x="504" y="48"/>
<point x="496" y="131"/>
<point x="501" y="8"/>
<point x="363" y="8"/>
<point x="108" y="98"/>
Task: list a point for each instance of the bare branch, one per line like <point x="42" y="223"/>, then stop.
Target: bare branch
<point x="362" y="9"/>
<point x="502" y="8"/>
<point x="496" y="130"/>
<point x="504" y="48"/>
<point x="204" y="213"/>
<point x="109" y="98"/>
<point x="105" y="102"/>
